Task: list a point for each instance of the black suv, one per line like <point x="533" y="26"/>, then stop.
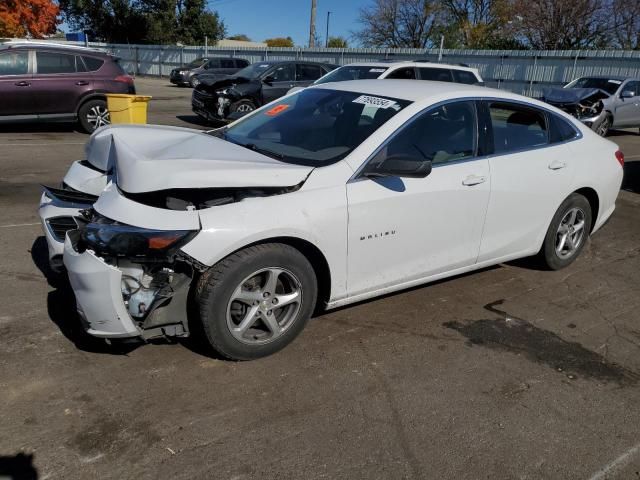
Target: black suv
<point x="49" y="82"/>
<point x="252" y="87"/>
<point x="189" y="74"/>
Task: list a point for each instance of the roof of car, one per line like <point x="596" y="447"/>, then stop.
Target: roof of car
<point x="51" y="46"/>
<point x="408" y="63"/>
<point x="416" y="91"/>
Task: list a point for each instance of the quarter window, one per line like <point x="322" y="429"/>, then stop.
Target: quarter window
<point x="436" y="74"/>
<point x="49" y="63"/>
<point x="516" y="127"/>
<point x="560" y="130"/>
<point x="403" y="74"/>
<point x="93" y="64"/>
<point x="444" y="134"/>
<point x="14" y="63"/>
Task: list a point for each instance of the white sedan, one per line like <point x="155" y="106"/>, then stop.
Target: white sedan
<point x="329" y="196"/>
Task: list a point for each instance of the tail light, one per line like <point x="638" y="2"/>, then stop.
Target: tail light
<point x="620" y="158"/>
<point x="124" y="79"/>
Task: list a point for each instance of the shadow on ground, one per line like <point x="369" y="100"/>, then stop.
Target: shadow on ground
<point x="631" y="181"/>
<point x="61" y="307"/>
<point x="38" y="127"/>
<point x="200" y="122"/>
<point x="18" y="467"/>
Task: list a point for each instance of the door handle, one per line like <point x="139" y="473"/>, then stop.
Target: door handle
<point x="82" y="82"/>
<point x="474" y="180"/>
<point x="22" y="84"/>
<point x="557" y="165"/>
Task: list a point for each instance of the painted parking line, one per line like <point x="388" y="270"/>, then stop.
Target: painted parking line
<point x="41" y="144"/>
<point x="616" y="465"/>
<point x="13" y="225"/>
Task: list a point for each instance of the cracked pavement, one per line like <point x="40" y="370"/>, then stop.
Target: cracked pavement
<point x="509" y="372"/>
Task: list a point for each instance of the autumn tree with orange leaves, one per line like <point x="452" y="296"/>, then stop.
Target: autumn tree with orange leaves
<point x="34" y="18"/>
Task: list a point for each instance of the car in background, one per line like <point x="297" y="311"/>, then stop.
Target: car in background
<point x="252" y="87"/>
<point x="49" y="82"/>
<point x="599" y="102"/>
<point x="402" y="70"/>
<point x="337" y="194"/>
<point x="188" y="75"/>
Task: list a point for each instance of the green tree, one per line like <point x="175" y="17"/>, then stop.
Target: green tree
<point x="337" y="42"/>
<point x="240" y="37"/>
<point x="279" y="42"/>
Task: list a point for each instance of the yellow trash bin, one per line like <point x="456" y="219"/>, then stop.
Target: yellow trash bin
<point x="127" y="108"/>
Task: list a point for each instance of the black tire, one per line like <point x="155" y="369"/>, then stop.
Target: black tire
<point x="194" y="81"/>
<point x="215" y="293"/>
<point x="92" y="115"/>
<point x="549" y="253"/>
<point x="605" y="126"/>
<point x="244" y="106"/>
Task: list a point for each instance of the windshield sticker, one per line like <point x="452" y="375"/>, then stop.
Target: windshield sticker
<point x="617" y="82"/>
<point x="377" y="70"/>
<point x="277" y="109"/>
<point x="377" y="102"/>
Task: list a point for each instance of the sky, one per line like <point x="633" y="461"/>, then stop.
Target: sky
<point x="261" y="19"/>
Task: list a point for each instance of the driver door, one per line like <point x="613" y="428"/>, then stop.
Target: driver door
<point x="283" y="78"/>
<point x="405" y="229"/>
<point x="628" y="109"/>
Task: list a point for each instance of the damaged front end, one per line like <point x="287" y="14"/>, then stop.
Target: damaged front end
<point x="585" y="104"/>
<point x="129" y="281"/>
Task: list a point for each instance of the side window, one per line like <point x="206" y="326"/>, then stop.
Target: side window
<point x="241" y="63"/>
<point x="443" y="134"/>
<point x="93" y="64"/>
<point x="308" y="73"/>
<point x="50" y="62"/>
<point x="284" y="73"/>
<point x="462" y="76"/>
<point x="403" y="73"/>
<point x="560" y="130"/>
<point x="632" y="87"/>
<point x="80" y="66"/>
<point x="14" y="63"/>
<point x="436" y="74"/>
<point x="516" y="127"/>
<point x="213" y="63"/>
<point x="226" y="63"/>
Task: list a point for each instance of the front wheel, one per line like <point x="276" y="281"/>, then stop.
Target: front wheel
<point x="567" y="233"/>
<point x="194" y="81"/>
<point x="93" y="115"/>
<point x="605" y="125"/>
<point x="242" y="106"/>
<point x="256" y="301"/>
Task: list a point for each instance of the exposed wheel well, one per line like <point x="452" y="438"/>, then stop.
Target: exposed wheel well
<point x="592" y="197"/>
<point x="317" y="260"/>
<point x="88" y="98"/>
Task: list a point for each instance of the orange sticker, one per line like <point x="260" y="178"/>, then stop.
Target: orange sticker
<point x="277" y="109"/>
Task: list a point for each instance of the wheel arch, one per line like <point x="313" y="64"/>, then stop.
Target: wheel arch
<point x="594" y="202"/>
<point x="87" y="98"/>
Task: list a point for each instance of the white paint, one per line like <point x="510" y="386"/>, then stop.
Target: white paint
<point x="613" y="467"/>
<point x="13" y="225"/>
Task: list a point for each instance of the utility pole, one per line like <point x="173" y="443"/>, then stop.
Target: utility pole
<point x="326" y="39"/>
<point x="312" y="26"/>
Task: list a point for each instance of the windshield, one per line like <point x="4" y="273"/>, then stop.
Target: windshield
<point x="254" y="70"/>
<point x="347" y="72"/>
<point x="314" y="127"/>
<point x="608" y="85"/>
<point x="198" y="62"/>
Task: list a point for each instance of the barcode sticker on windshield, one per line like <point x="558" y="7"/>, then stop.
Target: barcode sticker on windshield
<point x="376" y="102"/>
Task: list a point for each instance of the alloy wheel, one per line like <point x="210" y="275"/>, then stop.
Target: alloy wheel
<point x="603" y="128"/>
<point x="570" y="234"/>
<point x="244" y="108"/>
<point x="98" y="116"/>
<point x="264" y="306"/>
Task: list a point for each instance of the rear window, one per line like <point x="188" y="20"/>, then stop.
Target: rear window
<point x="92" y="63"/>
<point x="51" y="62"/>
<point x="462" y="76"/>
<point x="516" y="127"/>
<point x="14" y="63"/>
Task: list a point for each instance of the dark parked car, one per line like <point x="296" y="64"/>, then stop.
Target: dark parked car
<point x="48" y="82"/>
<point x="252" y="87"/>
<point x="189" y="74"/>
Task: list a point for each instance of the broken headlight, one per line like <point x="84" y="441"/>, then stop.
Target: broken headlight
<point x="125" y="240"/>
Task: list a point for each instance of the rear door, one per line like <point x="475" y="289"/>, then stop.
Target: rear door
<point x="16" y="83"/>
<point x="307" y="73"/>
<point x="283" y="77"/>
<point x="530" y="176"/>
<point x="435" y="74"/>
<point x="227" y="66"/>
<point x="59" y="81"/>
<point x="404" y="73"/>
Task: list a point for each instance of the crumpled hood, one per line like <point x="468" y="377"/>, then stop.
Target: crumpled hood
<point x="570" y="95"/>
<point x="151" y="158"/>
<point x="213" y="83"/>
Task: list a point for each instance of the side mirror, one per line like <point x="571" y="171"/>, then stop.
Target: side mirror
<point x="627" y="94"/>
<point x="269" y="79"/>
<point x="400" y="165"/>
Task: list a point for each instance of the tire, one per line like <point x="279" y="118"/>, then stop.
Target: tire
<point x="194" y="81"/>
<point x="603" y="128"/>
<point x="237" y="303"/>
<point x="555" y="252"/>
<point x="92" y="115"/>
<point x="243" y="106"/>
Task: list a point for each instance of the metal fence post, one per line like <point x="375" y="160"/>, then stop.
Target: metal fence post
<point x="160" y="62"/>
<point x="535" y="69"/>
<point x="137" y="64"/>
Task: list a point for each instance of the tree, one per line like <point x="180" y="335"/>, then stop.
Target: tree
<point x="626" y="19"/>
<point x="337" y="42"/>
<point x="35" y="18"/>
<point x="241" y="37"/>
<point x="398" y="23"/>
<point x="279" y="42"/>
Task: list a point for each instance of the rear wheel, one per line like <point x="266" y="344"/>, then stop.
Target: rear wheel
<point x="567" y="233"/>
<point x="257" y="301"/>
<point x="93" y="115"/>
